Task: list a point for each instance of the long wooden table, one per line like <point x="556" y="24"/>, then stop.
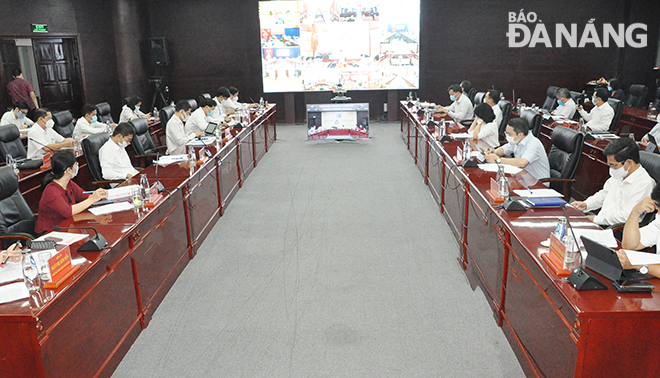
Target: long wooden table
<point x="84" y="328"/>
<point x="554" y="330"/>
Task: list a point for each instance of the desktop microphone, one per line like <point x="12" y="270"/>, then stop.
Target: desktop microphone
<point x="206" y="151"/>
<point x="159" y="185"/>
<point x="95" y="243"/>
<point x="580" y="278"/>
<point x="41" y="144"/>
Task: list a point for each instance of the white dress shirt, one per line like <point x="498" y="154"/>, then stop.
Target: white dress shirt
<point x="176" y="134"/>
<point x="229" y="104"/>
<point x="38" y="138"/>
<point x="85" y="128"/>
<point x="498" y="116"/>
<point x="618" y="197"/>
<point x="461" y="109"/>
<point x="197" y="121"/>
<point x="115" y="163"/>
<point x="127" y="114"/>
<point x="567" y="110"/>
<point x="600" y="117"/>
<point x="655" y="132"/>
<point x="10" y="119"/>
<point x="489" y="134"/>
<point x="218" y="115"/>
<point x="533" y="151"/>
<point x="649" y="235"/>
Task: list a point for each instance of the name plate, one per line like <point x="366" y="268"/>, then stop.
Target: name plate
<point x="555" y="256"/>
<point x="60" y="268"/>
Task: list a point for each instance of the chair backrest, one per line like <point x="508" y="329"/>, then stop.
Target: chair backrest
<point x="534" y="120"/>
<point x="103" y="113"/>
<point x="650" y="162"/>
<point x="617" y="105"/>
<point x="165" y="114"/>
<point x="10" y="143"/>
<point x="636" y="95"/>
<point x="479" y="98"/>
<point x="656" y="101"/>
<point x="15" y="214"/>
<point x="63" y="123"/>
<point x="471" y="93"/>
<point x="507" y="108"/>
<point x="125" y="100"/>
<point x="564" y="155"/>
<point x="551" y="100"/>
<point x="91" y="146"/>
<point x="142" y="141"/>
<point x="193" y="104"/>
<point x="204" y="96"/>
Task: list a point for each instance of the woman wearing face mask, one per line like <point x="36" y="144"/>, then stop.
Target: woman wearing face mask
<point x="628" y="185"/>
<point x="484" y="127"/>
<point x="63" y="198"/>
<point x="132" y="110"/>
<point x="615" y="89"/>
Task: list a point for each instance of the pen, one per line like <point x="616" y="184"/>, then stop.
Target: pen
<point x="4" y="262"/>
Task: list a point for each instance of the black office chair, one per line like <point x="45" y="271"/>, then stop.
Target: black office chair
<point x="551" y="99"/>
<point x="204" y="96"/>
<point x="636" y="95"/>
<point x="507" y="108"/>
<point x="91" y="146"/>
<point x="617" y="105"/>
<point x="564" y="157"/>
<point x="165" y="114"/>
<point x="656" y="102"/>
<point x="103" y="113"/>
<point x="534" y="120"/>
<point x="145" y="148"/>
<point x="479" y="98"/>
<point x="471" y="93"/>
<point x="193" y="104"/>
<point x="10" y="143"/>
<point x="63" y="123"/>
<point x="16" y="219"/>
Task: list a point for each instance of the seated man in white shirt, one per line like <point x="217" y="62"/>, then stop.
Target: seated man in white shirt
<point x="115" y="163"/>
<point x="528" y="152"/>
<point x="177" y="138"/>
<point x="201" y="117"/>
<point x="492" y="98"/>
<point x="233" y="91"/>
<point x="224" y="100"/>
<point x="461" y="109"/>
<point x="655" y="133"/>
<point x="132" y="110"/>
<point x="600" y="117"/>
<point x="484" y="128"/>
<point x="88" y="124"/>
<point x="566" y="107"/>
<point x="636" y="238"/>
<point x="42" y="138"/>
<point x="17" y="116"/>
<point x="628" y="185"/>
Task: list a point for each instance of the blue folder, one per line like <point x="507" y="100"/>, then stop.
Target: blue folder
<point x="545" y="202"/>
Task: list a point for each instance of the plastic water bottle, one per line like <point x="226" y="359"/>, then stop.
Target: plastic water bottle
<point x="560" y="229"/>
<point x="192" y="157"/>
<point x="144" y="187"/>
<point x="30" y="272"/>
<point x="652" y="112"/>
<point x="571" y="259"/>
<point x="467" y="150"/>
<point x="9" y="159"/>
<point x="261" y="103"/>
<point x="155" y="113"/>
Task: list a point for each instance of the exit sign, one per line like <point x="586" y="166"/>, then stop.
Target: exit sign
<point x="39" y="28"/>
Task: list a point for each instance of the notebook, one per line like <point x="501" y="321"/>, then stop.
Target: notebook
<point x="545" y="201"/>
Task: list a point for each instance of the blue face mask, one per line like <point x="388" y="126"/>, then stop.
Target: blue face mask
<point x="94" y="119"/>
<point x="137" y="108"/>
<point x="452" y="97"/>
<point x="20" y="115"/>
<point x="211" y="113"/>
<point x="609" y="89"/>
<point x="560" y="102"/>
<point x="75" y="172"/>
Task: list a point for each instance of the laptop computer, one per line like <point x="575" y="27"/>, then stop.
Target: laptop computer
<point x="604" y="260"/>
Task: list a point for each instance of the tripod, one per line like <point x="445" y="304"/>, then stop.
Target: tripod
<point x="160" y="91"/>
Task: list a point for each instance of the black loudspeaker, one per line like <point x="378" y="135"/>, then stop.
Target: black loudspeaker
<point x="158" y="52"/>
<point x="583" y="280"/>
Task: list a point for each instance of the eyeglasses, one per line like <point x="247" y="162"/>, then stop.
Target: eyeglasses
<point x="615" y="166"/>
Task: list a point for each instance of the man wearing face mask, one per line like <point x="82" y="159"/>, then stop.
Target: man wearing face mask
<point x="601" y="115"/>
<point x="233" y="91"/>
<point x="225" y="103"/>
<point x="528" y="152"/>
<point x="115" y="163"/>
<point x="628" y="185"/>
<point x="201" y="117"/>
<point x="566" y="107"/>
<point x="88" y="123"/>
<point x="491" y="98"/>
<point x="175" y="130"/>
<point x="17" y="116"/>
<point x="42" y="138"/>
<point x="461" y="108"/>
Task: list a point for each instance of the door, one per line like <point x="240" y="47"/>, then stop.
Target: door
<point x="58" y="69"/>
<point x="10" y="61"/>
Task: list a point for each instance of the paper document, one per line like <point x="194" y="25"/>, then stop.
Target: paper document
<point x="206" y="141"/>
<point x="604" y="237"/>
<point x="492" y="167"/>
<point x="65" y="238"/>
<point x="11" y="271"/>
<point x="537" y="193"/>
<point x="122" y="192"/>
<point x="13" y="292"/>
<point x="172" y="159"/>
<point x="111" y="208"/>
<point x="461" y="135"/>
<point x="642" y="258"/>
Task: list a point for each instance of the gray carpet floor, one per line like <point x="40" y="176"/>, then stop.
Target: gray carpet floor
<point x="332" y="261"/>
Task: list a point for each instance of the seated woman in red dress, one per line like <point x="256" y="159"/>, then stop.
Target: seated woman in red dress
<point x="63" y="198"/>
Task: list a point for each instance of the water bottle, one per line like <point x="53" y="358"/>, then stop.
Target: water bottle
<point x="581" y="127"/>
<point x="503" y="189"/>
<point x="9" y="159"/>
<point x="144" y="187"/>
<point x="30" y="272"/>
<point x="571" y="258"/>
<point x="652" y="112"/>
<point x="560" y="229"/>
<point x="192" y="157"/>
<point x="443" y="129"/>
<point x="519" y="104"/>
<point x="261" y="103"/>
<point x="467" y="150"/>
<point x="155" y="113"/>
<point x="218" y="135"/>
<point x="76" y="144"/>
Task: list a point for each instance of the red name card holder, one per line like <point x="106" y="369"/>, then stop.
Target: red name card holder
<point x="46" y="158"/>
<point x="555" y="256"/>
<point x="459" y="155"/>
<point x="493" y="192"/>
<point x="154" y="197"/>
<point x="61" y="268"/>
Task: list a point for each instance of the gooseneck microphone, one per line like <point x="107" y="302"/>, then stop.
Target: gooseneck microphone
<point x="41" y="144"/>
<point x="95" y="243"/>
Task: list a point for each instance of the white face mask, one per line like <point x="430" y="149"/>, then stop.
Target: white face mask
<point x="236" y="98"/>
<point x="618" y="173"/>
<point x="511" y="139"/>
<point x="123" y="144"/>
<point x="50" y="123"/>
<point x="185" y="117"/>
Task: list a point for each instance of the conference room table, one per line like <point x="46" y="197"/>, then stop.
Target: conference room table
<point x="554" y="330"/>
<point x="85" y="327"/>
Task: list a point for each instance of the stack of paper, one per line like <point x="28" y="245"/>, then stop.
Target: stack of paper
<point x="642" y="258"/>
<point x="461" y="135"/>
<point x="172" y="159"/>
<point x="111" y="208"/>
<point x="13" y="292"/>
<point x="11" y="271"/>
<point x="202" y="142"/>
<point x="122" y="192"/>
<point x="604" y="237"/>
<point x="63" y="238"/>
<point x="492" y="167"/>
<point x="537" y="193"/>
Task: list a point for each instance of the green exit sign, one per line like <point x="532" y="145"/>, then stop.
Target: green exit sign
<point x="39" y="28"/>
